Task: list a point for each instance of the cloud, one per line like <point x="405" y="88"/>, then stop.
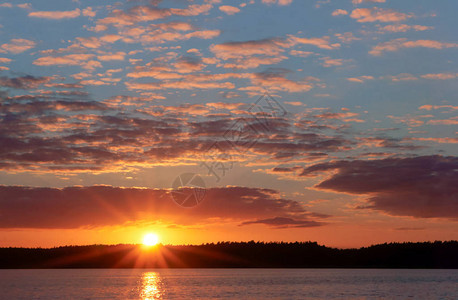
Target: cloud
<point x="279" y="2"/>
<point x="404" y="28"/>
<point x="232" y="50"/>
<point x="360" y="79"/>
<point x="120" y="18"/>
<point x="17" y="46"/>
<point x="421" y="186"/>
<point x="95" y="206"/>
<point x="56" y="15"/>
<point x="281" y="222"/>
<point x="322" y="43"/>
<point x="367" y="1"/>
<point x="346" y="37"/>
<point x="339" y="12"/>
<point x="402" y="43"/>
<point x="430" y="107"/>
<point x="25" y="83"/>
<point x="333" y="62"/>
<point x="192" y="10"/>
<point x="275" y="80"/>
<point x="112" y="56"/>
<point x="402" y="77"/>
<point x="83" y="60"/>
<point x="250" y="54"/>
<point x="376" y="14"/>
<point x="88" y="12"/>
<point x="134" y="15"/>
<point x="440" y="76"/>
<point x="439" y="140"/>
<point x="62" y="131"/>
<point x="230" y="10"/>
<point x="25" y="5"/>
<point x="451" y="121"/>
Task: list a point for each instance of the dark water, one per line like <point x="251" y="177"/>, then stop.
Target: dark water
<point x="229" y="284"/>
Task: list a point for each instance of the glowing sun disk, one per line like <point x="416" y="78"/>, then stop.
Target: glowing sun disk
<point x="150" y="239"/>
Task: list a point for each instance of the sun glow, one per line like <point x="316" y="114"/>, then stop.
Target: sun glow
<point x="150" y="239"/>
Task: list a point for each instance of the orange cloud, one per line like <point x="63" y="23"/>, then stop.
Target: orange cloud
<point x="339" y="12"/>
<point x="71" y="60"/>
<point x="188" y="85"/>
<point x="402" y="77"/>
<point x="404" y="28"/>
<point x="250" y="54"/>
<point x="401" y="43"/>
<point x="360" y="79"/>
<point x="279" y="2"/>
<point x="333" y="62"/>
<point x="451" y="121"/>
<point x="430" y="107"/>
<point x="112" y="56"/>
<point x="440" y="76"/>
<point x="322" y="42"/>
<point x="17" y="46"/>
<point x="363" y="1"/>
<point x="376" y="14"/>
<point x="439" y="140"/>
<point x="230" y="10"/>
<point x="192" y="10"/>
<point x="56" y="15"/>
<point x="88" y="12"/>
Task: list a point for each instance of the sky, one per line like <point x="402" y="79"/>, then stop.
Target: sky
<point x="279" y="120"/>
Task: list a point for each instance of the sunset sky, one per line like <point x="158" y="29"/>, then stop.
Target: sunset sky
<point x="335" y="121"/>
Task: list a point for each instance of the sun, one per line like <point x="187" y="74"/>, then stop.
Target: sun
<point x="150" y="239"/>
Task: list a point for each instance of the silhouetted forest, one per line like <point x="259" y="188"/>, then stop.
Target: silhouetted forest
<point x="236" y="255"/>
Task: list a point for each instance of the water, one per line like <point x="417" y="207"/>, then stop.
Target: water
<point x="228" y="284"/>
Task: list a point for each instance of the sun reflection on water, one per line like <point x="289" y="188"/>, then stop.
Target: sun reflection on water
<point x="151" y="286"/>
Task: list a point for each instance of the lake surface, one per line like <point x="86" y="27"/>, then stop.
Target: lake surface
<point x="228" y="284"/>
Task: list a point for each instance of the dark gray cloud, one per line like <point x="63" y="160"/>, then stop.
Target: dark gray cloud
<point x="422" y="186"/>
<point x="26" y="82"/>
<point x="73" y="207"/>
<point x="282" y="222"/>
